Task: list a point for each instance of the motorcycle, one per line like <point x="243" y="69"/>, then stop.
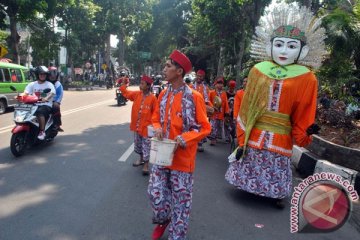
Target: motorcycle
<point x="109" y="83"/>
<point x="156" y="89"/>
<point x="26" y="130"/>
<point x="121" y="100"/>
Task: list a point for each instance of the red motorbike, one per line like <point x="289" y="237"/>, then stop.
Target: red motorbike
<point x="26" y="130"/>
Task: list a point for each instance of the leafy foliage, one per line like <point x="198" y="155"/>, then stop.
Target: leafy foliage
<point x="339" y="71"/>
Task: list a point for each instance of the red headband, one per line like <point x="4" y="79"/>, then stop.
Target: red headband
<point x="200" y="72"/>
<point x="147" y="79"/>
<point x="181" y="59"/>
<point x="219" y="80"/>
<point x="232" y="83"/>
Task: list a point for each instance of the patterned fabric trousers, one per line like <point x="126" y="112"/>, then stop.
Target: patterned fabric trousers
<point x="230" y="129"/>
<point x="216" y="129"/>
<point x="142" y="146"/>
<point x="170" y="194"/>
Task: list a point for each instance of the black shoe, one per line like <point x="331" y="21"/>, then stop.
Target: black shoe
<point x="280" y="203"/>
<point x="58" y="128"/>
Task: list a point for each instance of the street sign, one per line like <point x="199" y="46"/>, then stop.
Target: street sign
<point x="3" y="51"/>
<point x="104" y="66"/>
<point x="145" y="55"/>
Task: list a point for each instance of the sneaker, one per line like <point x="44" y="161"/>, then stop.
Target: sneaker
<point x="41" y="135"/>
<point x="200" y="149"/>
<point x="159" y="231"/>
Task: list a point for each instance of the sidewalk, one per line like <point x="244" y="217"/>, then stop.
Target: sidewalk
<point x="86" y="88"/>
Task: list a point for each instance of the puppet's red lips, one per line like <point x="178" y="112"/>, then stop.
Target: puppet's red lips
<point x="282" y="58"/>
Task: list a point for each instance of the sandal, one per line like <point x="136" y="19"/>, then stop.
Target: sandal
<point x="159" y="230"/>
<point x="138" y="163"/>
<point x="145" y="170"/>
<point x="280" y="203"/>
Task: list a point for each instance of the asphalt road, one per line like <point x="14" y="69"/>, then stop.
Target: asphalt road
<point x="83" y="186"/>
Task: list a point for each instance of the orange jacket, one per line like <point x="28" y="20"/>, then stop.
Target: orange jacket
<point x="237" y="102"/>
<point x="184" y="158"/>
<point x="147" y="110"/>
<point x="297" y="99"/>
<point x="200" y="88"/>
<point x="224" y="105"/>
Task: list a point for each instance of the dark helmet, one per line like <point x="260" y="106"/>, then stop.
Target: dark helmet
<point x="53" y="72"/>
<point x="41" y="69"/>
<point x="123" y="74"/>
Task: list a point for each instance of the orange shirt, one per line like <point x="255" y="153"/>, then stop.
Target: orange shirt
<point x="184" y="158"/>
<point x="297" y="98"/>
<point x="237" y="102"/>
<point x="224" y="105"/>
<point x="139" y="122"/>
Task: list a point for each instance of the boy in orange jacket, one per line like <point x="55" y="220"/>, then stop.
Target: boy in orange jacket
<point x="219" y="101"/>
<point x="141" y="112"/>
<point x="180" y="115"/>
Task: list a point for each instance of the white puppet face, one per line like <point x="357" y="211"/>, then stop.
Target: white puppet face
<point x="286" y="51"/>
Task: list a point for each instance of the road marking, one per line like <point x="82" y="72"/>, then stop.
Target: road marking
<point x="84" y="107"/>
<point x="8" y="128"/>
<point x="127" y="153"/>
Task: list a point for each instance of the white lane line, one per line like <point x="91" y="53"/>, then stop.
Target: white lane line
<point x="127" y="153"/>
<point x="84" y="107"/>
<point x="8" y="128"/>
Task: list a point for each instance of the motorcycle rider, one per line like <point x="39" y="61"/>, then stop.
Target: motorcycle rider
<point x="123" y="76"/>
<point x="45" y="103"/>
<point x="157" y="85"/>
<point x="54" y="79"/>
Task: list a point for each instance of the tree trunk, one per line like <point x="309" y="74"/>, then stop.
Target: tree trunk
<point x="121" y="49"/>
<point x="107" y="55"/>
<point x="220" y="68"/>
<point x="240" y="57"/>
<point x="14" y="38"/>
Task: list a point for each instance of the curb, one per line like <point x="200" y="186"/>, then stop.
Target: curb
<point x="307" y="163"/>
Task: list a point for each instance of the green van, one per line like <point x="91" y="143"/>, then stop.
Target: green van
<point x="11" y="75"/>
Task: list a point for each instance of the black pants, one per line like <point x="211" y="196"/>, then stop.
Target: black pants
<point x="43" y="110"/>
<point x="57" y="115"/>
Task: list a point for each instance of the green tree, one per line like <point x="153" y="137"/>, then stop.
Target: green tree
<point x="81" y="37"/>
<point x="341" y="69"/>
<point x="220" y="31"/>
<point x="22" y="11"/>
<point x="122" y="18"/>
<point x="44" y="42"/>
<point x="168" y="31"/>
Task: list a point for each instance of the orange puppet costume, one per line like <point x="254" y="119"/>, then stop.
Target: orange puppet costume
<point x="279" y="105"/>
